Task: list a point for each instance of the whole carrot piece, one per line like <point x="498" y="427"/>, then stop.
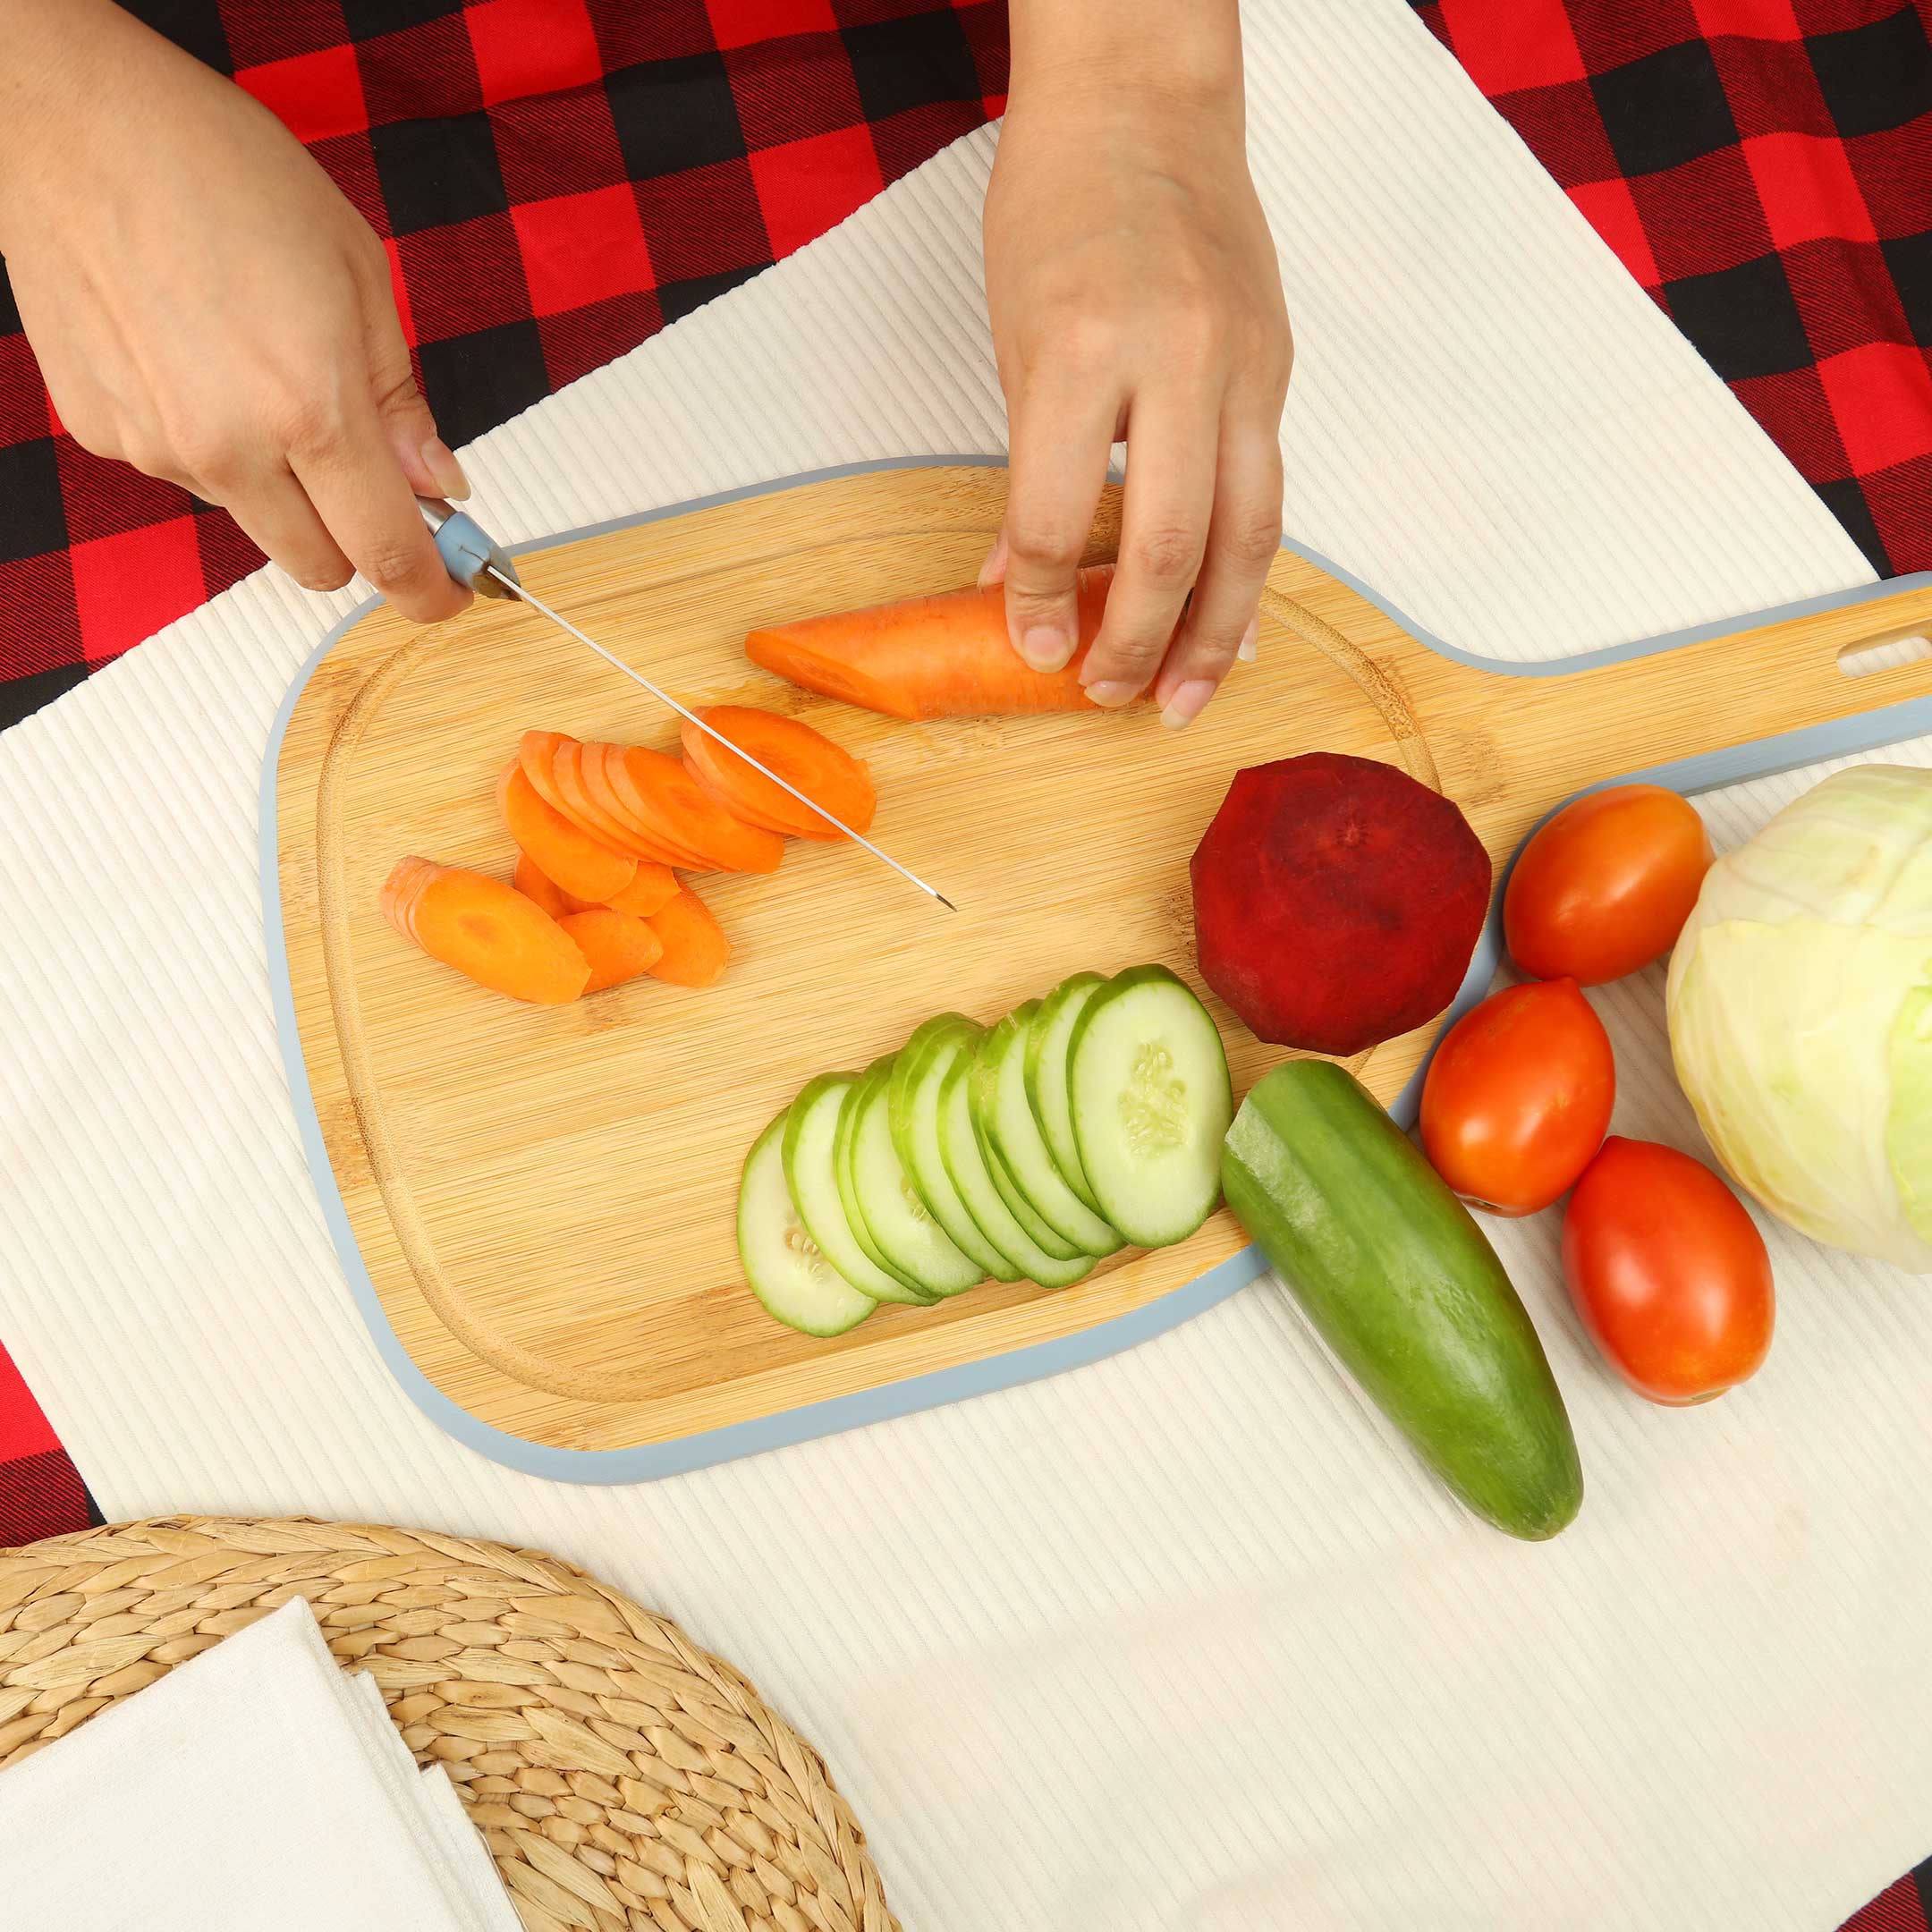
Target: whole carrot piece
<point x="933" y="657"/>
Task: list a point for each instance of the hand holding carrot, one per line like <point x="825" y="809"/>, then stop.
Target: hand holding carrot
<point x="1133" y="291"/>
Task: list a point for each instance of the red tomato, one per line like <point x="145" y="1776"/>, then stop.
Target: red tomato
<point x="1517" y="1096"/>
<point x="1668" y="1272"/>
<point x="1605" y="886"/>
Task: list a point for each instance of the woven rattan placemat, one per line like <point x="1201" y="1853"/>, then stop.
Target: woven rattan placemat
<point x="625" y="1780"/>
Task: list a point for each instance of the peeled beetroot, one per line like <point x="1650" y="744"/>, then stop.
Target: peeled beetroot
<point x="1337" y="903"/>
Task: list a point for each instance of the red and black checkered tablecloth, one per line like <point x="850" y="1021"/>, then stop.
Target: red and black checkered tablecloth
<point x="556" y="180"/>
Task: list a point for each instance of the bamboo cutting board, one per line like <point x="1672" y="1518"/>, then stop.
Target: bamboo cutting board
<point x="536" y="1204"/>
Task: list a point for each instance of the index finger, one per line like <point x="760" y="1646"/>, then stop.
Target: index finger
<point x="359" y="490"/>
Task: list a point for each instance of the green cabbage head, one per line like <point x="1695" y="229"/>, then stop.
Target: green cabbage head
<point x="1800" y="1013"/>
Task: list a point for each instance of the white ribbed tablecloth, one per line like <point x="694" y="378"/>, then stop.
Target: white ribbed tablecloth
<point x="1176" y="1640"/>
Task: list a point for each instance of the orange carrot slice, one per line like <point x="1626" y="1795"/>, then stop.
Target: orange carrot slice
<point x="529" y="879"/>
<point x="740" y="811"/>
<point x="937" y="657"/>
<point x="488" y="931"/>
<point x="789" y="749"/>
<point x="695" y="947"/>
<point x="537" y="753"/>
<point x="619" y="946"/>
<point x="400" y="891"/>
<point x="611" y="793"/>
<point x="654" y="887"/>
<point x="584" y="867"/>
<point x="567" y="773"/>
<point x="671" y="804"/>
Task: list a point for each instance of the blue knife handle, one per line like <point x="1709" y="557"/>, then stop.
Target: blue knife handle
<point x="468" y="552"/>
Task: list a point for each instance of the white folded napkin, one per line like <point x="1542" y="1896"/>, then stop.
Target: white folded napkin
<point x="258" y="1785"/>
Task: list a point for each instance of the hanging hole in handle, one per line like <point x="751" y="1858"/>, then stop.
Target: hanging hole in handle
<point x="1884" y="653"/>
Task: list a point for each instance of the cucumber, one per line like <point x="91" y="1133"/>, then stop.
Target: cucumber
<point x="811" y="1129"/>
<point x="1013" y="1145"/>
<point x="1398" y="1280"/>
<point x="841" y="1172"/>
<point x="1012" y="1196"/>
<point x="965" y="1162"/>
<point x="783" y="1264"/>
<point x="1148" y="1093"/>
<point x="912" y="1110"/>
<point x="1046" y="1040"/>
<point x="909" y="1239"/>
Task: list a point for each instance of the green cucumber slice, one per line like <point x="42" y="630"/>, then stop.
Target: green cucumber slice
<point x="912" y="1109"/>
<point x="1148" y="1090"/>
<point x="1047" y="1042"/>
<point x="842" y="1171"/>
<point x="783" y="1267"/>
<point x="1011" y="1139"/>
<point x="812" y="1131"/>
<point x="966" y="1162"/>
<point x="909" y="1238"/>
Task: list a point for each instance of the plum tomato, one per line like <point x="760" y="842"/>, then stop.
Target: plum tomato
<point x="1517" y="1096"/>
<point x="1605" y="888"/>
<point x="1668" y="1272"/>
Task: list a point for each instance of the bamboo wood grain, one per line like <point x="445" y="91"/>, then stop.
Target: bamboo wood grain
<point x="544" y="1197"/>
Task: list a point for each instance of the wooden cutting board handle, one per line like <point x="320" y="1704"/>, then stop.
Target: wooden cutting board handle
<point x="1537" y="739"/>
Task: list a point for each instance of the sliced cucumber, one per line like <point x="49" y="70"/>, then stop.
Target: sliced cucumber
<point x="841" y="1172"/>
<point x="784" y="1265"/>
<point x="909" y="1241"/>
<point x="812" y="1132"/>
<point x="1012" y="1196"/>
<point x="1011" y="1139"/>
<point x="1147" y="1084"/>
<point x="1046" y="1041"/>
<point x="913" y="1110"/>
<point x="966" y="1162"/>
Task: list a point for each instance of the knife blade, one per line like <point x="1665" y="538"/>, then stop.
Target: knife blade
<point x="474" y="558"/>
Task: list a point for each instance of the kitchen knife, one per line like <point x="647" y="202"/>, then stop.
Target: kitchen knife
<point x="474" y="558"/>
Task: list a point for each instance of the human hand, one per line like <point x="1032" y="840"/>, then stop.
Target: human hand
<point x="206" y="306"/>
<point x="1133" y="291"/>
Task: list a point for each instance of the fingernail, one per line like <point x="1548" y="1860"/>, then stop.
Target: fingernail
<point x="1188" y="703"/>
<point x="1114" y="693"/>
<point x="994" y="570"/>
<point x="440" y="461"/>
<point x="1250" y="640"/>
<point x="1045" y="648"/>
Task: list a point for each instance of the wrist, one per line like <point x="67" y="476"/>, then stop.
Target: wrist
<point x="1142" y="54"/>
<point x="63" y="57"/>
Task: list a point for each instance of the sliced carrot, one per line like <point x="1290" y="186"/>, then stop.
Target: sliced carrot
<point x="603" y="779"/>
<point x="739" y="811"/>
<point x="566" y="771"/>
<point x="529" y="879"/>
<point x="619" y="946"/>
<point x="400" y="891"/>
<point x="488" y="931"/>
<point x="537" y="753"/>
<point x="654" y="887"/>
<point x="670" y="802"/>
<point x="651" y="886"/>
<point x="695" y="947"/>
<point x="788" y="750"/>
<point x="584" y="867"/>
<point x="936" y="656"/>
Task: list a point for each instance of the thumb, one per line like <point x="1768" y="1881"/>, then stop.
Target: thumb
<point x="427" y="460"/>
